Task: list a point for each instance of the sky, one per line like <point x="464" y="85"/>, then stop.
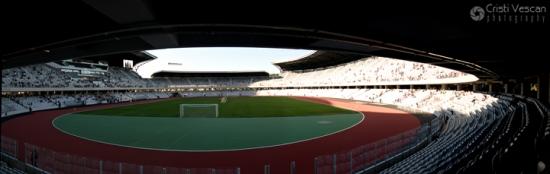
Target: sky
<point x="219" y="59"/>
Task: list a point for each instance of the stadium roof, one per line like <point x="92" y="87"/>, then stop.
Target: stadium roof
<point x="443" y="34"/>
<point x="116" y="59"/>
<point x="319" y="59"/>
<point x="210" y="74"/>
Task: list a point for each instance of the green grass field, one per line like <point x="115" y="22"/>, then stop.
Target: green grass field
<point x="244" y="122"/>
<point x="234" y="107"/>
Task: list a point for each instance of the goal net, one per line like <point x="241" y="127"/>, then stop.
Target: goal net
<point x="199" y="110"/>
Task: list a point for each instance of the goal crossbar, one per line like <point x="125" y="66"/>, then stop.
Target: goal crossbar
<point x="186" y="112"/>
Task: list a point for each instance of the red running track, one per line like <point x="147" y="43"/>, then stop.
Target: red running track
<point x="380" y="122"/>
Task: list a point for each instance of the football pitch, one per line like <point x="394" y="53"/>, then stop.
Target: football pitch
<point x="242" y="123"/>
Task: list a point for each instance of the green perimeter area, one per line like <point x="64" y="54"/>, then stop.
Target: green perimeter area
<point x="234" y="107"/>
<point x="244" y="122"/>
<point x="202" y="134"/>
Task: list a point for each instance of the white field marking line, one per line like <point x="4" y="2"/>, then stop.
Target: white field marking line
<point x="222" y="150"/>
<point x="258" y="147"/>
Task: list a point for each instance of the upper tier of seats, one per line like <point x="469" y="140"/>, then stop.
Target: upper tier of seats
<point x="370" y="71"/>
<point x="367" y="71"/>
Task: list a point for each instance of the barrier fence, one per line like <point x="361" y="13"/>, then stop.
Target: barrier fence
<point x="58" y="162"/>
<point x="9" y="146"/>
<point x="350" y="161"/>
<point x="370" y="154"/>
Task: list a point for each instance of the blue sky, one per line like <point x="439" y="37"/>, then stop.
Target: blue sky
<point x="219" y="59"/>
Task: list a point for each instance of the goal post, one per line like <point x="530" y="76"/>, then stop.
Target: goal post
<point x="199" y="110"/>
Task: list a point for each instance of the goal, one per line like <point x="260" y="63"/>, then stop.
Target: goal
<point x="199" y="110"/>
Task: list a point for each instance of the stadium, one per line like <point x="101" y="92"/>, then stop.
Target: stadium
<point x="381" y="94"/>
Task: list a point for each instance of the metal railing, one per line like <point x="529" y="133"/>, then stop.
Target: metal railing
<point x="369" y="155"/>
